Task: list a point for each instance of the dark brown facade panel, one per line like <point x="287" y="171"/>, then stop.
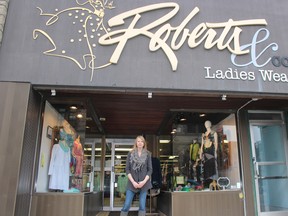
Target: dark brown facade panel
<point x="13" y="106"/>
<point x="25" y="186"/>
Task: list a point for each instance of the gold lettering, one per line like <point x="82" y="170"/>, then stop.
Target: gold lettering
<point x="196" y="33"/>
<point x="181" y="29"/>
<point x="235" y="36"/>
<point x="203" y="33"/>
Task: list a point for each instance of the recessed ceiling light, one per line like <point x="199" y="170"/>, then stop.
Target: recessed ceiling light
<point x="164" y="141"/>
<point x="79" y="115"/>
<point x="73" y="107"/>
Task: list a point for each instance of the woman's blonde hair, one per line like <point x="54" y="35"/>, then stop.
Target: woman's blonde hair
<point x="135" y="143"/>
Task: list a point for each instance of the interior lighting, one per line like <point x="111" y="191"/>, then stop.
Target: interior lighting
<point x="202" y="115"/>
<point x="174" y="131"/>
<point x="73" y="107"/>
<point x="164" y="141"/>
<point x="53" y="92"/>
<point x="149" y="94"/>
<point x="79" y="115"/>
<point x="224" y="97"/>
<point x="123" y="149"/>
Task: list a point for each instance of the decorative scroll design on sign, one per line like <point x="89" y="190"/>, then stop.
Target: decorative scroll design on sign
<point x="84" y="16"/>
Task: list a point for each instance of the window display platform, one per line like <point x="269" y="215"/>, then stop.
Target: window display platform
<point x="72" y="204"/>
<point x="199" y="203"/>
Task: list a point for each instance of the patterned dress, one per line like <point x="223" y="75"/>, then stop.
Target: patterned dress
<point x="210" y="163"/>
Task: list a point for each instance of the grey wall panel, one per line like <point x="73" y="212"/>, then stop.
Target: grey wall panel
<point x="23" y="58"/>
<point x="25" y="186"/>
<point x="13" y="107"/>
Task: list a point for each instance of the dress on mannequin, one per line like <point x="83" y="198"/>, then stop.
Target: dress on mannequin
<point x="59" y="169"/>
<point x="77" y="152"/>
<point x="209" y="152"/>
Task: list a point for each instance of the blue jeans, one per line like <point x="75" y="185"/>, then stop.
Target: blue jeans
<point x="129" y="197"/>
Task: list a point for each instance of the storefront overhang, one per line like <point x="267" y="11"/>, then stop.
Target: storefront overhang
<point x="125" y="112"/>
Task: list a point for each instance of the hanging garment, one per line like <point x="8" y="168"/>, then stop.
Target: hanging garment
<point x="59" y="168"/>
<point x="194" y="149"/>
<point x="122" y="183"/>
<point x="156" y="174"/>
<point x="78" y="154"/>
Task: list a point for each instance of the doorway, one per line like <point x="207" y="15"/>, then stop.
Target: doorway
<point x="115" y="177"/>
<point x="269" y="154"/>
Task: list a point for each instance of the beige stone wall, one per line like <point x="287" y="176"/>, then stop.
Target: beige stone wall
<point x="3" y="13"/>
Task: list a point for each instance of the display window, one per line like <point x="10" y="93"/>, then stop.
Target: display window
<point x="201" y="154"/>
<point x="65" y="160"/>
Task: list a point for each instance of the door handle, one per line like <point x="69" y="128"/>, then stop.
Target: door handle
<point x="256" y="169"/>
<point x="272" y="177"/>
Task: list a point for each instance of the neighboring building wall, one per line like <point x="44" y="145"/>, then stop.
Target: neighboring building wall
<point x="3" y="12"/>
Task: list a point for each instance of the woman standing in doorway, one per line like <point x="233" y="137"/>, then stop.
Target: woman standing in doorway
<point x="138" y="170"/>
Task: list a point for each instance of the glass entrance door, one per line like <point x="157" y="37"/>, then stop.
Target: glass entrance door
<point x="269" y="145"/>
<point x="119" y="177"/>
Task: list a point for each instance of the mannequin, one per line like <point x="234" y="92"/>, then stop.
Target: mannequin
<point x="194" y="151"/>
<point x="59" y="164"/>
<point x="208" y="152"/>
<point x="77" y="153"/>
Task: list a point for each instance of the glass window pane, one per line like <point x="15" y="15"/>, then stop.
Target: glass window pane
<point x="273" y="170"/>
<point x="268" y="141"/>
<point x="180" y="157"/>
<point x="269" y="190"/>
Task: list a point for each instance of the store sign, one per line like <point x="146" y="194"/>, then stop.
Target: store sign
<point x="163" y="36"/>
<point x="203" y="33"/>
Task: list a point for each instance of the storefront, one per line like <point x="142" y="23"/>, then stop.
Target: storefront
<point x="88" y="77"/>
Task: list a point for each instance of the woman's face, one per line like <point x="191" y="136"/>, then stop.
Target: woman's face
<point x="139" y="143"/>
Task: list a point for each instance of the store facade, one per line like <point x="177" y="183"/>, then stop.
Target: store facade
<point x="172" y="59"/>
